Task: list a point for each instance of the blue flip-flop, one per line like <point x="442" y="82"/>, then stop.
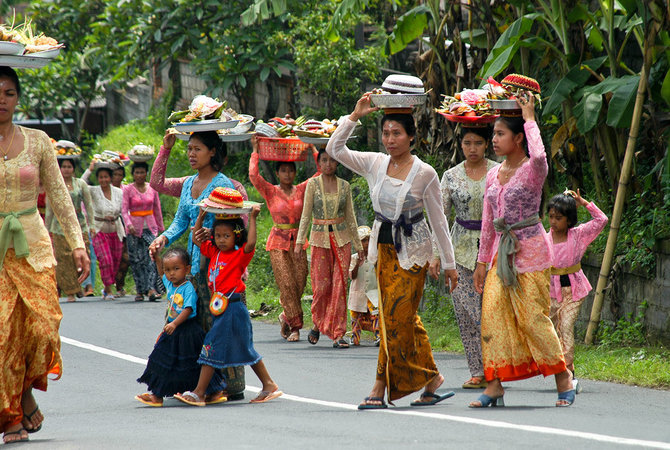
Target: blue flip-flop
<point x="374" y="399"/>
<point x="435" y="398"/>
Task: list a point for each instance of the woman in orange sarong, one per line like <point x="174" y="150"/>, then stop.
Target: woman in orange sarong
<point x="29" y="310"/>
<point x="401" y="188"/>
<point x="518" y="337"/>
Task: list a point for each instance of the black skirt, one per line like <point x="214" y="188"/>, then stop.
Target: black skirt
<point x="173" y="364"/>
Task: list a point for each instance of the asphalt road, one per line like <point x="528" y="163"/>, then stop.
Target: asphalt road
<point x="105" y="345"/>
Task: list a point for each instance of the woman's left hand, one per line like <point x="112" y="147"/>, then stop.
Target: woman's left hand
<point x="452" y="276"/>
<point x="526" y="101"/>
<point x="82" y="263"/>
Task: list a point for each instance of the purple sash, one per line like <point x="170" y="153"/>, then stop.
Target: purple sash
<point x="470" y="224"/>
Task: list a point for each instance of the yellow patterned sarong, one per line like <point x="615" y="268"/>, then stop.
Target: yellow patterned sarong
<point x="29" y="342"/>
<point x="405" y="358"/>
<point x="518" y="337"/>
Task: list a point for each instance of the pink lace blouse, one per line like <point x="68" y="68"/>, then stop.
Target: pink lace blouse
<point x="516" y="200"/>
<point x="142" y="210"/>
<point x="571" y="251"/>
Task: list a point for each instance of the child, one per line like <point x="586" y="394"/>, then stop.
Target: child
<point x="569" y="285"/>
<point x="173" y="364"/>
<point x="363" y="294"/>
<point x="230" y="340"/>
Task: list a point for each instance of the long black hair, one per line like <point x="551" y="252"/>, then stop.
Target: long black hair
<point x="237" y="226"/>
<point x="212" y="141"/>
<point x="73" y="161"/>
<point x="565" y="205"/>
<point x="104" y="169"/>
<point x="139" y="165"/>
<point x="10" y="73"/>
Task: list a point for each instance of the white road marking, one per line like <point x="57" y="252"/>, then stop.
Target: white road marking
<point x="469" y="420"/>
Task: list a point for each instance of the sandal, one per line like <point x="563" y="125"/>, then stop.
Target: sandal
<point x="265" y="396"/>
<point x="367" y="405"/>
<point x="313" y="336"/>
<point x="565" y="398"/>
<point x="139" y="298"/>
<point x="20" y="431"/>
<point x="475" y="383"/>
<point x="294" y="336"/>
<point x="436" y="398"/>
<point x="284" y="328"/>
<point x="190" y="398"/>
<point x="149" y="399"/>
<point x="152" y="296"/>
<point x="215" y="398"/>
<point x="484" y="401"/>
<point x="29" y="418"/>
<point x="340" y="343"/>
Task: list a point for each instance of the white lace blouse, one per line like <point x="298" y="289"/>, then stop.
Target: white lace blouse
<point x="108" y="208"/>
<point x="393" y="198"/>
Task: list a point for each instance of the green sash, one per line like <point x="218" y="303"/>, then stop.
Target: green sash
<point x="12" y="232"/>
<point x="509" y="246"/>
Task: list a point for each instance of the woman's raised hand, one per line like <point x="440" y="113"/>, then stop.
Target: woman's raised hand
<point x="363" y="107"/>
<point x="168" y="140"/>
<point x="526" y="102"/>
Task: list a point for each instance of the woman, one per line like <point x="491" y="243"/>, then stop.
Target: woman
<point x="285" y="203"/>
<point x="109" y="232"/>
<point x="401" y="187"/>
<point x="66" y="272"/>
<point x="328" y="204"/>
<point x="206" y="155"/>
<point x="118" y="175"/>
<point x="463" y="187"/>
<point x="143" y="218"/>
<point x="29" y="311"/>
<point x="174" y="187"/>
<point x="518" y="338"/>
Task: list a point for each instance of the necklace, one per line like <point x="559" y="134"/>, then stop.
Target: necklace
<point x="9" y="147"/>
<point x="509" y="171"/>
<point x="396" y="165"/>
<point x="475" y="172"/>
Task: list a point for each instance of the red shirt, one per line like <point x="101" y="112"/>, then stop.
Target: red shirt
<point x="226" y="268"/>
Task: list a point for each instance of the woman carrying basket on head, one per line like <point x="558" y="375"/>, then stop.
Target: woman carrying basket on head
<point x="285" y="202"/>
<point x="401" y="187"/>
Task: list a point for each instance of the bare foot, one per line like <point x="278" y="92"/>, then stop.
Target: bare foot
<point x="71" y="298"/>
<point x="294" y="336"/>
<point x="32" y="416"/>
<point x="15" y="433"/>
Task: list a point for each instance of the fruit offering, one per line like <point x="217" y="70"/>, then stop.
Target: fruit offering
<point x="468" y="103"/>
<point x="66" y="148"/>
<point x="280" y="127"/>
<point x="108" y="156"/>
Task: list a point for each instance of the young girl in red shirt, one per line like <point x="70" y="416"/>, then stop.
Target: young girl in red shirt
<point x="229" y="342"/>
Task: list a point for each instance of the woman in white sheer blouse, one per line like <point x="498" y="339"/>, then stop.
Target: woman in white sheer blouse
<point x="401" y="187"/>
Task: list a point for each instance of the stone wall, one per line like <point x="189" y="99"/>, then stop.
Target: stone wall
<point x="628" y="290"/>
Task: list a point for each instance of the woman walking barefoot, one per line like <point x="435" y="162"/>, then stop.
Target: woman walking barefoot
<point x="518" y="338"/>
<point x="401" y="187"/>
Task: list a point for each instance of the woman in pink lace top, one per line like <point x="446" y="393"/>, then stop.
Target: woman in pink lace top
<point x="143" y="218"/>
<point x="285" y="203"/>
<point x="518" y="338"/>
